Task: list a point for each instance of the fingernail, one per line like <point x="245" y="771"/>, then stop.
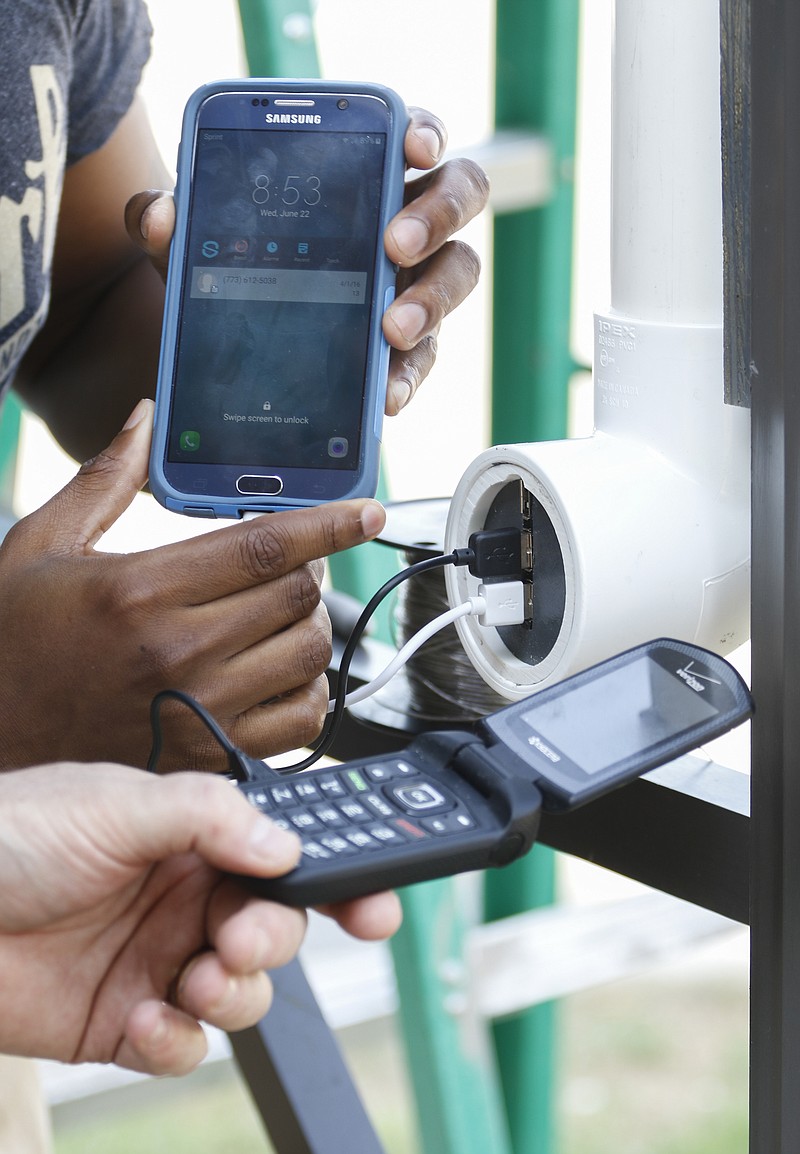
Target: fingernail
<point x="137" y="416"/>
<point x="228" y="997"/>
<point x="373" y="519"/>
<point x="272" y="844"/>
<point x="410" y="320"/>
<point x="431" y="141"/>
<point x="400" y="393"/>
<point x="148" y="216"/>
<point x="262" y="950"/>
<point x="158" y="1035"/>
<point x="411" y="236"/>
<point x="145" y="222"/>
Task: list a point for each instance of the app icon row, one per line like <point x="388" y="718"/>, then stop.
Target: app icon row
<point x="242" y="246"/>
<point x="189" y="441"/>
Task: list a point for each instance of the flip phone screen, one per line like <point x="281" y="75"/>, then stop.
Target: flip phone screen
<point x="654" y="700"/>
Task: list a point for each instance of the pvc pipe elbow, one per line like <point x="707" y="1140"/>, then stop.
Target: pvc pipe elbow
<point x="626" y="548"/>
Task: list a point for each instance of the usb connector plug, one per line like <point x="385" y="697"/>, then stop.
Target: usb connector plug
<point x="493" y="553"/>
<point x="502" y="603"/>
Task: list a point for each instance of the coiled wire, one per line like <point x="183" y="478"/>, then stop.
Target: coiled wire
<point x="443" y="684"/>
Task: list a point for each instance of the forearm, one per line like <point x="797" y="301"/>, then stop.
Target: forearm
<point x="99" y="364"/>
<point x="97" y="353"/>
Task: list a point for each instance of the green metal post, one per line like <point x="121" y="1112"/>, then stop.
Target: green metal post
<point x="279" y="37"/>
<point x="460" y="1104"/>
<point x="9" y="436"/>
<point x="279" y="41"/>
<point x="455" y="1077"/>
<point x="535" y="90"/>
<point x="526" y="1043"/>
<point x="451" y="1063"/>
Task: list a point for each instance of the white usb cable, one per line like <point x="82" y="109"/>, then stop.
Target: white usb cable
<point x="502" y="603"/>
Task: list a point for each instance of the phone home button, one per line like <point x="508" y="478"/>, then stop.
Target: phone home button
<point x="255" y="486"/>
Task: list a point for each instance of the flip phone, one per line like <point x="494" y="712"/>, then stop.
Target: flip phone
<point x="457" y="801"/>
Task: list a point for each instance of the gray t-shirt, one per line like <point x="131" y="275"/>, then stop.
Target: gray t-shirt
<point x="68" y="73"/>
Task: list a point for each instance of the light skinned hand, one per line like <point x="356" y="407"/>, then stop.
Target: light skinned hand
<point x="119" y="929"/>
<point x="436" y="272"/>
<point x="232" y="617"/>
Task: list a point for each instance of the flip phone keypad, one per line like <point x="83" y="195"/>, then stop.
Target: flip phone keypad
<point x="361" y="809"/>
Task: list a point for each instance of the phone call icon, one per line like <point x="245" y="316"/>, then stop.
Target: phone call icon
<point x="189" y="440"/>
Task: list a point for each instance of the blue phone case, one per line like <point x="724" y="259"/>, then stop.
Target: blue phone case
<point x="366" y="477"/>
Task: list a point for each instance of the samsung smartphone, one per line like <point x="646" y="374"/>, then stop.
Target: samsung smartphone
<point x="463" y="801"/>
<point x="273" y="367"/>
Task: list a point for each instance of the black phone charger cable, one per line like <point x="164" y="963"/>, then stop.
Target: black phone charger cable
<point x="504" y="555"/>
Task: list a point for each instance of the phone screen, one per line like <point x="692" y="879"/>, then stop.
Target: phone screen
<point x="652" y="705"/>
<point x="274" y="328"/>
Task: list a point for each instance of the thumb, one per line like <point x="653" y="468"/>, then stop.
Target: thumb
<point x="102" y="489"/>
<point x="198" y="812"/>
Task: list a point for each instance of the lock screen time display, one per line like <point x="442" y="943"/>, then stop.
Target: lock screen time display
<point x="272" y="345"/>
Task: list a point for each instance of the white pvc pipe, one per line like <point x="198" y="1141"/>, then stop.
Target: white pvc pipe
<point x="658" y="360"/>
<point x="651" y="513"/>
<point x="666" y="179"/>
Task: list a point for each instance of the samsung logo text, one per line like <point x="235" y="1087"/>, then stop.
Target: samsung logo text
<point x="293" y="118"/>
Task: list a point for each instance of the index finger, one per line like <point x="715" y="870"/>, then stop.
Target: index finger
<point x="242" y="556"/>
<point x="371" y="918"/>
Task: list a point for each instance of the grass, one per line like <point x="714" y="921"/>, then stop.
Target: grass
<point x="646" y="1067"/>
<point x="210" y="1112"/>
<point x="655" y="1068"/>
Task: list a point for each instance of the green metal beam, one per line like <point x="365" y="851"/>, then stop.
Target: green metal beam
<point x="453" y="1070"/>
<point x="455" y="1075"/>
<point x="526" y="1043"/>
<point x="9" y="436"/>
<point x="279" y="41"/>
<point x="536" y="91"/>
<point x="279" y="38"/>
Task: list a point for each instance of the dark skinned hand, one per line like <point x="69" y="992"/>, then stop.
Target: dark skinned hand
<point x="233" y="617"/>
